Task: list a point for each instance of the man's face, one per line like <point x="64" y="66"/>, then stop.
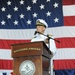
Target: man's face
<point x="40" y="29"/>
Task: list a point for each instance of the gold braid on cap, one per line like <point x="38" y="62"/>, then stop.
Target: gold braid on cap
<point x="39" y="24"/>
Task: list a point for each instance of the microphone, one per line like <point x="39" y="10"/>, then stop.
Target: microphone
<point x="35" y="32"/>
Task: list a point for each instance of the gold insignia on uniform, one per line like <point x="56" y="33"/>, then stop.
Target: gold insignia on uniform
<point x="47" y="40"/>
<point x="50" y="35"/>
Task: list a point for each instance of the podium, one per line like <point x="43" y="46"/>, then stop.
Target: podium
<point x="30" y="58"/>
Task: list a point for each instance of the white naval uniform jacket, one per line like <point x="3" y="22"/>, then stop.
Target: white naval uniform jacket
<point x="40" y="37"/>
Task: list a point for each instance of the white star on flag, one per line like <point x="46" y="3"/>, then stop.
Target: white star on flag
<point x="15" y="22"/>
<point x="28" y="8"/>
<point x="8" y="3"/>
<point x="9" y="16"/>
<point x="16" y="8"/>
<point x="48" y="0"/>
<point x="34" y="15"/>
<point x="3" y="22"/>
<point x="21" y="16"/>
<point x="42" y="6"/>
<point x="28" y="22"/>
<point x="48" y="13"/>
<point x="21" y="2"/>
<point x="34" y="1"/>
<point x="55" y="5"/>
<point x="3" y="8"/>
<point x="56" y="20"/>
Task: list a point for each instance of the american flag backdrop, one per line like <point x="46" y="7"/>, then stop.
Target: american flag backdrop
<point x="17" y="25"/>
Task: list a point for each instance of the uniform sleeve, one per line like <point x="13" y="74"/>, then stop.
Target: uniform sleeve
<point x="52" y="46"/>
<point x="33" y="39"/>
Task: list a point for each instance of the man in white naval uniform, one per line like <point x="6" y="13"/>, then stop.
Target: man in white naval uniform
<point x="41" y="26"/>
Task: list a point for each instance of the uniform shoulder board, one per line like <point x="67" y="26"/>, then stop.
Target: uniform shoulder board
<point x="50" y="35"/>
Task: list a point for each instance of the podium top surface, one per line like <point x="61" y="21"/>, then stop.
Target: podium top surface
<point x="30" y="49"/>
<point x="28" y="43"/>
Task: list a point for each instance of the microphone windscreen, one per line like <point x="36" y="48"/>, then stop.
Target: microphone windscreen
<point x="35" y="33"/>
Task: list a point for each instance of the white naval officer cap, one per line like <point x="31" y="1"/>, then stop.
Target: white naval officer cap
<point x="41" y="22"/>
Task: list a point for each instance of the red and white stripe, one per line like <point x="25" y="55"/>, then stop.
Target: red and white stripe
<point x="65" y="57"/>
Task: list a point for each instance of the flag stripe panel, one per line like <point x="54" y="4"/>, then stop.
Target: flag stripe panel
<point x="5" y="54"/>
<point x="64" y="64"/>
<point x="62" y="53"/>
<point x="69" y="10"/>
<point x="66" y="2"/>
<point x="69" y="20"/>
<point x="6" y="44"/>
<point x="6" y="64"/>
<point x="65" y="31"/>
<point x="58" y="64"/>
<point x="65" y="42"/>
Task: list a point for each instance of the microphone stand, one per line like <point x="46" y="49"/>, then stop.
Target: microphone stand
<point x="49" y="48"/>
<point x="49" y="37"/>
